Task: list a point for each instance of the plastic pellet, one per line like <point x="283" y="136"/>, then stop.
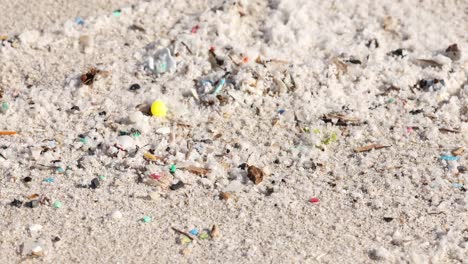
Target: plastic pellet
<point x="172" y="168"/>
<point x="159" y="108"/>
<point x="194" y="232"/>
<point x="57" y="204"/>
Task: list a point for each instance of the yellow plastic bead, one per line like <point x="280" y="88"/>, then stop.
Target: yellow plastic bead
<point x="159" y="108"/>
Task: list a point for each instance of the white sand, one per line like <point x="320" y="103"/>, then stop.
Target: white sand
<point x="400" y="204"/>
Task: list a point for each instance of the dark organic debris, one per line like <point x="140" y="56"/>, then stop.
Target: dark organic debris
<point x="398" y="53"/>
<point x="340" y="119"/>
<point x="134" y="87"/>
<point x="370" y="147"/>
<point x="95" y="183"/>
<point x="388" y="219"/>
<point x="32" y="204"/>
<point x="453" y="52"/>
<point x="89" y="77"/>
<point x="16" y="203"/>
<point x="426" y="85"/>
<point x="177" y="186"/>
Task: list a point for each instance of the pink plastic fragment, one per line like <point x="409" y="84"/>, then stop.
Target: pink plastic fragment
<point x="155" y="176"/>
<point x="314" y="200"/>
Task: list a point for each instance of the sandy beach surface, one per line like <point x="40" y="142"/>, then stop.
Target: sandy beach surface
<point x="299" y="131"/>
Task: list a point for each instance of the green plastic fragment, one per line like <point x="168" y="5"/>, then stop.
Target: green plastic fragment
<point x="316" y="131"/>
<point x="84" y="140"/>
<point x="117" y="13"/>
<point x="185" y="240"/>
<point x="391" y="100"/>
<point x="5" y="106"/>
<point x="332" y="138"/>
<point x="60" y="169"/>
<point x="146" y="219"/>
<point x="173" y="168"/>
<point x="102" y="177"/>
<point x="57" y="204"/>
<point x="204" y="236"/>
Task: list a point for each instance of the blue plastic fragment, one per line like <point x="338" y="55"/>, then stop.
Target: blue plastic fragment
<point x="457" y="185"/>
<point x="79" y="21"/>
<point x="194" y="232"/>
<point x="219" y="86"/>
<point x="281" y="111"/>
<point x="451" y="158"/>
<point x="49" y="180"/>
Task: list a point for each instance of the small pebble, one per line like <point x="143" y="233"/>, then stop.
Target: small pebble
<point x="146" y="219"/>
<point x="453" y="52"/>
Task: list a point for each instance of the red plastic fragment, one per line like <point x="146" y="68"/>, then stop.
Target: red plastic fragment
<point x="155" y="176"/>
<point x="314" y="200"/>
<point x="195" y="29"/>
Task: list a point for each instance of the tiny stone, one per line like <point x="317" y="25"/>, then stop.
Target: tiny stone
<point x="37" y="251"/>
<point x="163" y="130"/>
<point x="255" y="174"/>
<point x="75" y="108"/>
<point x="56" y="239"/>
<point x="154" y="195"/>
<point x="186" y="251"/>
<point x="95" y="183"/>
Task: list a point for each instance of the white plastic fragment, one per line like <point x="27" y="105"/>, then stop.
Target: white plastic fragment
<point x="163" y="130"/>
<point x="126" y="142"/>
<point x="34" y="227"/>
<point x="162" y="62"/>
<point x="116" y="214"/>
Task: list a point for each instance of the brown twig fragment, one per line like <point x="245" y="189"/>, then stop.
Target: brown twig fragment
<point x="342" y="120"/>
<point x="370" y="147"/>
<point x="197" y="170"/>
<point x="183" y="233"/>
